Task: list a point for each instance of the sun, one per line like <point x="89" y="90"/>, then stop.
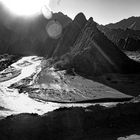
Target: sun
<point x="25" y="7"/>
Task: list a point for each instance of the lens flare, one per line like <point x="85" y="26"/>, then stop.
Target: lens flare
<point x="46" y="12"/>
<point x="54" y="29"/>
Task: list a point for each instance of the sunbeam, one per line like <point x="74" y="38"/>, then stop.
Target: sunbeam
<point x="25" y="7"/>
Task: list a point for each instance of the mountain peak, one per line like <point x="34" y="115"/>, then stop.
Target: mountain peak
<point x="90" y="20"/>
<point x="80" y="18"/>
<point x="80" y="15"/>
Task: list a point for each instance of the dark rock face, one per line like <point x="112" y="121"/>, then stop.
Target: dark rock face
<point x="93" y="53"/>
<point x="131" y="23"/>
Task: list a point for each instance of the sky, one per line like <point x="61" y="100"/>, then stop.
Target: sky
<point x="102" y="11"/>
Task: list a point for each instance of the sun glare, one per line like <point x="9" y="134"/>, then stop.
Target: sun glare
<point x="25" y="7"/>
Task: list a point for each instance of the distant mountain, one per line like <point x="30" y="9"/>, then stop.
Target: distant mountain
<point x="130" y="23"/>
<point x="125" y="39"/>
<point x="116" y="34"/>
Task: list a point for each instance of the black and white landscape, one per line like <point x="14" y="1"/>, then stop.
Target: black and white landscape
<point x="68" y="78"/>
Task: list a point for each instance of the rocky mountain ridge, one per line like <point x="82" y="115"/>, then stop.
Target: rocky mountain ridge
<point x="125" y="33"/>
<point x="130" y="23"/>
<point x="117" y="35"/>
